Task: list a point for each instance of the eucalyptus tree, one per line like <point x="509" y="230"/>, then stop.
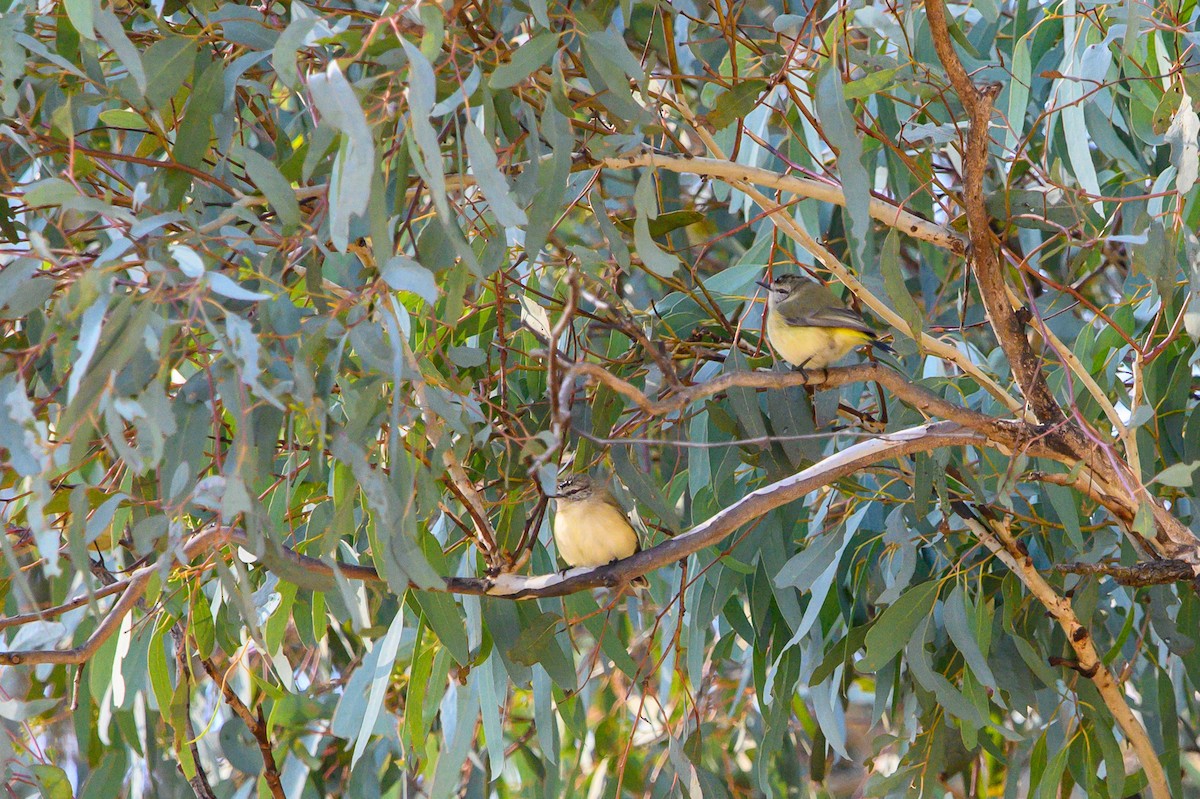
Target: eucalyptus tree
<point x="306" y="307"/>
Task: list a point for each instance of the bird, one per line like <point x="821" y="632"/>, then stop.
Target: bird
<point x="590" y="526"/>
<point x="809" y="327"/>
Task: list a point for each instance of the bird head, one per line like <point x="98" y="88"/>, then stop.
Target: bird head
<point x="574" y="487"/>
<point x="782" y="287"/>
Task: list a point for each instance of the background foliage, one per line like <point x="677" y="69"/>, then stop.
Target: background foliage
<point x="291" y="273"/>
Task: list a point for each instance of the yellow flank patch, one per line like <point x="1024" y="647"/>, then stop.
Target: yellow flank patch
<point x="812" y="347"/>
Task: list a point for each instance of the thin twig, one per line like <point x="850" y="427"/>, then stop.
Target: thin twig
<point x="729" y="171"/>
<point x="255" y="723"/>
<point x="199" y="780"/>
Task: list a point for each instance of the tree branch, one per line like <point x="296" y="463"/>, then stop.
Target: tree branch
<point x="750" y="507"/>
<point x="996" y="536"/>
<point x="913" y="394"/>
<point x="256" y="724"/>
<point x="730" y="172"/>
<point x="20" y="619"/>
<point x="512" y="586"/>
<point x="1153" y="572"/>
<point x="984" y="258"/>
<point x="211" y="538"/>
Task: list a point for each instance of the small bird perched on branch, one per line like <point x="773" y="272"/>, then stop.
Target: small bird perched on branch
<point x="809" y="327"/>
<point x="590" y="526"/>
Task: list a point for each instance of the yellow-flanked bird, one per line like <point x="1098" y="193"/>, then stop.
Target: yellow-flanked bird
<point x="590" y="526"/>
<point x="809" y="327"/>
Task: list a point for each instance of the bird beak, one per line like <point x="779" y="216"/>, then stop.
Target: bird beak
<point x="763" y="283"/>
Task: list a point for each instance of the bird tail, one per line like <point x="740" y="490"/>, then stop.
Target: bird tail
<point x="883" y="345"/>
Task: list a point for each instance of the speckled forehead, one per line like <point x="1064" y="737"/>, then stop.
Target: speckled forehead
<point x="572" y="484"/>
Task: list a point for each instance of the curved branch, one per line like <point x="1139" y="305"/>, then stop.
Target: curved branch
<point x="730" y="172"/>
<point x="511" y="586"/>
<point x="841" y="464"/>
<point x="750" y="507"/>
<point x="998" y="538"/>
<point x="1005" y="435"/>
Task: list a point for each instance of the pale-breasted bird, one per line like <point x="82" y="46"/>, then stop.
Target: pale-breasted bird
<point x="809" y="327"/>
<point x="590" y="526"/>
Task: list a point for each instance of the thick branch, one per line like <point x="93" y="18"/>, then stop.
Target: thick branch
<point x="754" y="505"/>
<point x="757" y="503"/>
<point x="996" y="537"/>
<point x="1153" y="572"/>
<point x="839" y="465"/>
<point x="984" y="256"/>
<point x="1002" y="434"/>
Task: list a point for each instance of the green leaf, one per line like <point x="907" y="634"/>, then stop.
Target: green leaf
<point x="201" y="626"/>
<point x="840" y="128"/>
<point x="122" y="118"/>
<point x="351" y="179"/>
<point x="897" y="290"/>
<point x="1018" y="92"/>
<point x="168" y="63"/>
<point x="948" y="697"/>
<point x="895" y="626"/>
<point x="841" y="652"/>
<point x="664" y="223"/>
<point x="647" y="491"/>
<point x="745" y="400"/>
<point x="52" y="781"/>
<point x="732" y="105"/>
<point x="535" y="640"/>
<point x="955" y="614"/>
<point x="526" y="59"/>
<point x="873" y="83"/>
<point x="444" y="617"/>
<point x="283" y="54"/>
<point x="377" y="666"/>
<point x="108" y="779"/>
<point x="1178" y="475"/>
<point x="160" y="677"/>
<point x="404" y="274"/>
<point x="82" y="14"/>
<point x="240" y="747"/>
<point x="486" y="169"/>
<point x="274" y="186"/>
<point x="110" y="29"/>
<point x="655" y="259"/>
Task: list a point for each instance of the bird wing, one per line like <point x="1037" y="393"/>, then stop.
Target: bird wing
<point x="824" y="317"/>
